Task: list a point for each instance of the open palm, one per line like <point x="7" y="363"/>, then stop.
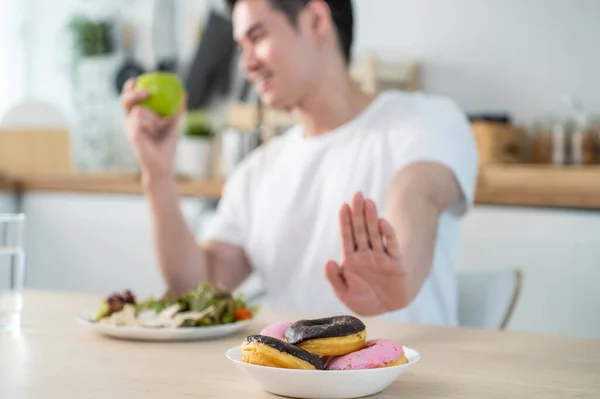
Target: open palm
<point x="371" y="268"/>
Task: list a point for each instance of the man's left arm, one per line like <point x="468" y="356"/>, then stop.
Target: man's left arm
<point x="386" y="256"/>
<point x="387" y="253"/>
<point x="418" y="195"/>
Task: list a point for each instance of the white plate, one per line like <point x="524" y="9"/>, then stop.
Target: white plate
<point x="318" y="384"/>
<point x="162" y="334"/>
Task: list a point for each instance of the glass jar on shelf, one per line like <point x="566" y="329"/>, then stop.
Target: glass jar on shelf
<point x="550" y="142"/>
<point x="585" y="143"/>
<point x="584" y="135"/>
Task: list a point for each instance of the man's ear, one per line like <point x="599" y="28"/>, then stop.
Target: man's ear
<point x="318" y="18"/>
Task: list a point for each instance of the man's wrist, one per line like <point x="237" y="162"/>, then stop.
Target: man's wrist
<point x="152" y="182"/>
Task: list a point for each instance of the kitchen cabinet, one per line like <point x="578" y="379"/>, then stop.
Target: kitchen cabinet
<point x="7" y="202"/>
<point x="100" y="243"/>
<point x="94" y="243"/>
<point x="558" y="252"/>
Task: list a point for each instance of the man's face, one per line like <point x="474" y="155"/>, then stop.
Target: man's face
<point x="276" y="56"/>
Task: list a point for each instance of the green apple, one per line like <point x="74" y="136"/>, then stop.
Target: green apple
<point x="165" y="92"/>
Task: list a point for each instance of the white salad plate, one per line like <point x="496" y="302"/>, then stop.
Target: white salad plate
<point x="161" y="334"/>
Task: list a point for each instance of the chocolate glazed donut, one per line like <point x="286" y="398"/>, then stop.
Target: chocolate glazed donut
<point x="330" y="336"/>
<point x="268" y="351"/>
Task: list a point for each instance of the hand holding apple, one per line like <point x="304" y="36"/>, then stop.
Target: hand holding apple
<point x="154" y="105"/>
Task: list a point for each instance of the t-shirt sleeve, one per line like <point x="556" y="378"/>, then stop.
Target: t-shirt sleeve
<point x="230" y="221"/>
<point x="440" y="132"/>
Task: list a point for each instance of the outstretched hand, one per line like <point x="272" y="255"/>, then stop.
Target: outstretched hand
<point x="369" y="277"/>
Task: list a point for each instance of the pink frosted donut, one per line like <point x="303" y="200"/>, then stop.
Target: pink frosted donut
<point x="277" y="330"/>
<point x="376" y="353"/>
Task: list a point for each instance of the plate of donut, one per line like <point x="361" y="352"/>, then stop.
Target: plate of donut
<point x="324" y="358"/>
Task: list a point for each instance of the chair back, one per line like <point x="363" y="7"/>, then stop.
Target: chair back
<point x="487" y="299"/>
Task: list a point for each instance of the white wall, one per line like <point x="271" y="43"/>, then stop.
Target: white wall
<point x="559" y="254"/>
<point x="12" y="53"/>
<point x="514" y="55"/>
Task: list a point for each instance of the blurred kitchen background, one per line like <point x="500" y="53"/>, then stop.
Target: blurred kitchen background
<point x="526" y="72"/>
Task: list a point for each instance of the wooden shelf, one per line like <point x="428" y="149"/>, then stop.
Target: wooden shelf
<point x="107" y="183"/>
<point x="542" y="186"/>
<point x="5" y="183"/>
<point x="518" y="185"/>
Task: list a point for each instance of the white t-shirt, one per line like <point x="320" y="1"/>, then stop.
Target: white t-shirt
<point x="281" y="204"/>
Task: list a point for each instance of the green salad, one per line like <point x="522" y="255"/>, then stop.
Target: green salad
<point x="205" y="306"/>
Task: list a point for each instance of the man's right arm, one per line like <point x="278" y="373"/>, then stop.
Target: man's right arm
<point x="184" y="263"/>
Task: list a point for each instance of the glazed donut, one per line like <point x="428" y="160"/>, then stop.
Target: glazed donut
<point x="330" y="336"/>
<point x="377" y="353"/>
<point x="272" y="352"/>
<point x="276" y="330"/>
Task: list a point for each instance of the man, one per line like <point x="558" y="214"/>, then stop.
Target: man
<point x="354" y="210"/>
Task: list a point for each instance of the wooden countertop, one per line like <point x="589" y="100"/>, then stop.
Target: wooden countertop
<point x="518" y="185"/>
<point x="55" y="357"/>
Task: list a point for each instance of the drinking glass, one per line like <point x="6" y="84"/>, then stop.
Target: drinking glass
<point x="12" y="270"/>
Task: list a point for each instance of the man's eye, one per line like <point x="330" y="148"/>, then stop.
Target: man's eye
<point x="256" y="37"/>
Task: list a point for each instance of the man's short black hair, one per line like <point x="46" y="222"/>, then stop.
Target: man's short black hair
<point x="341" y="13"/>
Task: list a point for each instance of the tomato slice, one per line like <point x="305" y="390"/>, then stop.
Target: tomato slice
<point x="242" y="314"/>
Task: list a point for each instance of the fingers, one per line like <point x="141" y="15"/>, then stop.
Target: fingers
<point x="143" y="114"/>
<point x="130" y="97"/>
<point x="332" y="271"/>
<point x="358" y="223"/>
<point x="129" y="85"/>
<point x="137" y="132"/>
<point x="389" y="235"/>
<point x="359" y="226"/>
<point x="145" y="126"/>
<point x="348" y="245"/>
<point x="372" y="222"/>
<point x="143" y="122"/>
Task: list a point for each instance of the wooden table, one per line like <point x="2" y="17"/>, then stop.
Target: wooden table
<point x="54" y="357"/>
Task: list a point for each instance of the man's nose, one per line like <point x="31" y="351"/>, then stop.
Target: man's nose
<point x="248" y="62"/>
